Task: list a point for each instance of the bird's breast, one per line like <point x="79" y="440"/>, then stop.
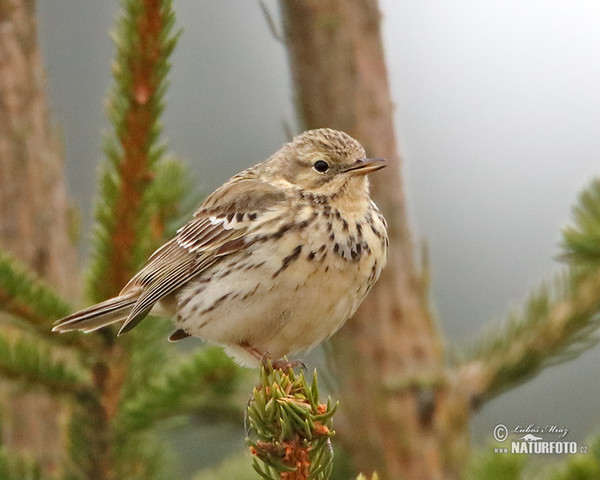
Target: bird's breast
<point x="301" y="276"/>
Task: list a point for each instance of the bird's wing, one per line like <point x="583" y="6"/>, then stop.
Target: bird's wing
<point x="219" y="228"/>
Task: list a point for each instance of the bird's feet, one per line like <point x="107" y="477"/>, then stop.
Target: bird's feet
<point x="282" y="364"/>
<point x="270" y="364"/>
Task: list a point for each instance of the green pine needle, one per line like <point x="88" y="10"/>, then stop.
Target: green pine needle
<point x="32" y="362"/>
<point x="557" y="321"/>
<point x="581" y="240"/>
<point x="139" y="187"/>
<point x="556" y="324"/>
<point x="492" y="466"/>
<point x="27" y="297"/>
<point x="18" y="467"/>
<point x="144" y="457"/>
<point x="289" y="430"/>
<point x="202" y="380"/>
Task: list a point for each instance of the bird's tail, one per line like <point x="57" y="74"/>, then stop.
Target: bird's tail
<point x="110" y="311"/>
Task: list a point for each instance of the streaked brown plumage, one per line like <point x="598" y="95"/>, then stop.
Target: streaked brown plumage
<point x="272" y="263"/>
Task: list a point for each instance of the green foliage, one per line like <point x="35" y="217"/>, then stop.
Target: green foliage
<point x="485" y="464"/>
<point x="235" y="467"/>
<point x="85" y="438"/>
<point x="557" y="320"/>
<point x="581" y="241"/>
<point x="205" y="379"/>
<point x="289" y="429"/>
<point x="17" y="467"/>
<point x="139" y="187"/>
<point x="166" y="192"/>
<point x="26" y="296"/>
<point x="118" y="391"/>
<point x="35" y="363"/>
<point x="581" y="466"/>
<point x="554" y="325"/>
<point x="144" y="457"/>
<point x="492" y="466"/>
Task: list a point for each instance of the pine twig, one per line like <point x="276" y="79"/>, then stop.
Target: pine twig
<point x="556" y="323"/>
<point x="581" y="240"/>
<point x="126" y="230"/>
<point x="27" y="297"/>
<point x="34" y="363"/>
<point x="138" y="188"/>
<point x="181" y="389"/>
<point x="551" y="329"/>
<point x="18" y="467"/>
<point x="289" y="430"/>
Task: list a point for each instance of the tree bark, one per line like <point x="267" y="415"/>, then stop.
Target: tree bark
<point x="34" y="211"/>
<point x="400" y="413"/>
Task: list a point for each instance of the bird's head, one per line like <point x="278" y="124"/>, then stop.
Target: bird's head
<point x="324" y="162"/>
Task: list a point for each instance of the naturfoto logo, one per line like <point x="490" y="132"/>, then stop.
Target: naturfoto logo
<point x="535" y="439"/>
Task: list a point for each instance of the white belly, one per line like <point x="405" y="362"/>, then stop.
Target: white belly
<point x="255" y="303"/>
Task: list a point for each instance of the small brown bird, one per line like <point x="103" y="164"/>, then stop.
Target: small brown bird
<point x="272" y="263"/>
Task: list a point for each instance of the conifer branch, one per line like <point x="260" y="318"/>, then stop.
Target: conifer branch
<point x="32" y="362"/>
<point x="33" y="305"/>
<point x="289" y="430"/>
<point x="144" y="457"/>
<point x="488" y="465"/>
<point x="580" y="466"/>
<point x="126" y="230"/>
<point x="581" y="240"/>
<point x="551" y="328"/>
<point x="27" y="297"/>
<point x="19" y="467"/>
<point x="89" y="444"/>
<point x="557" y="322"/>
<point x="139" y="189"/>
<point x="202" y="380"/>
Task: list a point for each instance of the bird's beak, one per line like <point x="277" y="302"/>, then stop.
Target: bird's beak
<point x="366" y="165"/>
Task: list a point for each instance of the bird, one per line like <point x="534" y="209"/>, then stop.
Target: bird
<point x="272" y="263"/>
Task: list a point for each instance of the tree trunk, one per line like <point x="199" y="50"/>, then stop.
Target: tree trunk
<point x="34" y="212"/>
<point x="400" y="414"/>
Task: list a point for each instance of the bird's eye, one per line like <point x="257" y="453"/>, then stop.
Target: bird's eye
<point x="320" y="166"/>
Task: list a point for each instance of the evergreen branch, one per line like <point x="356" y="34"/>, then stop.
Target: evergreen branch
<point x="200" y="380"/>
<point x="581" y="241"/>
<point x="144" y="457"/>
<point x="147" y="353"/>
<point x="124" y="234"/>
<point x="552" y="328"/>
<point x="88" y="442"/>
<point x="33" y="362"/>
<point x="579" y="466"/>
<point x="164" y="197"/>
<point x="19" y="467"/>
<point x="556" y="324"/>
<point x="27" y="297"/>
<point x="291" y="429"/>
<point x="233" y="467"/>
<point x="32" y="304"/>
<point x="486" y="464"/>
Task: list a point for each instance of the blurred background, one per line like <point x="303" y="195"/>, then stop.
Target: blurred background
<point x="497" y="116"/>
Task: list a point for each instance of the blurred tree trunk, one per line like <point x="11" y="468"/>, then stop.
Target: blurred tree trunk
<point x="34" y="216"/>
<point x="399" y="412"/>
